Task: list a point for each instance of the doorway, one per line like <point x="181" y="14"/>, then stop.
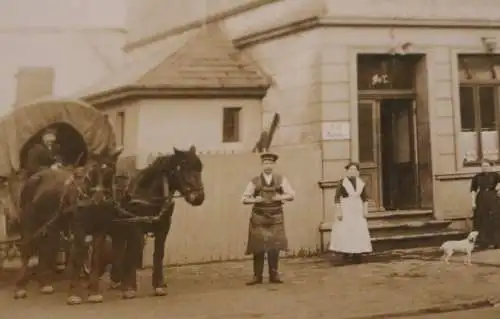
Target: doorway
<point x="398" y="154"/>
<point x="389" y="153"/>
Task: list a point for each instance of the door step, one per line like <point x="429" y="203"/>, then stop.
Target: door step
<point x="426" y="239"/>
<point x="403" y="230"/>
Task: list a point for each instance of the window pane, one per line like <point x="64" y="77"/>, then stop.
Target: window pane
<point x="489" y="136"/>
<point x="230" y="125"/>
<point x="489" y="142"/>
<point x="366" y="134"/>
<point x="467" y="108"/>
<point x="468" y="146"/>
<point x="385" y="71"/>
<point x="487" y="107"/>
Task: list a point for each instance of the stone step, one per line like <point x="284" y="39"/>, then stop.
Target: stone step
<point x="420" y="214"/>
<point x="424" y="239"/>
<point x="397" y="228"/>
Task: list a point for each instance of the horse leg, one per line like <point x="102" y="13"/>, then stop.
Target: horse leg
<point x="158" y="256"/>
<point x="132" y="251"/>
<point x="99" y="242"/>
<point x="49" y="248"/>
<point x="24" y="272"/>
<point x="118" y="244"/>
<point x="75" y="264"/>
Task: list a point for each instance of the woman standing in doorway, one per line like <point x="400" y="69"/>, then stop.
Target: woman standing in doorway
<point x="350" y="235"/>
<point x="486" y="216"/>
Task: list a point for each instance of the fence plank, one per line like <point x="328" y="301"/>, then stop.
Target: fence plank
<point x="218" y="230"/>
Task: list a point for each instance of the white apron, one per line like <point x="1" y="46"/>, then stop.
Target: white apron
<point x="351" y="234"/>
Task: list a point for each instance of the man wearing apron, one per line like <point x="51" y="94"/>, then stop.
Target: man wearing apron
<point x="266" y="234"/>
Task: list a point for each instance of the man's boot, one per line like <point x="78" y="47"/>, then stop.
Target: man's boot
<point x="273" y="261"/>
<point x="258" y="269"/>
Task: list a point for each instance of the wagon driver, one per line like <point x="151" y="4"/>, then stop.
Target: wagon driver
<point x="266" y="235"/>
<point x="44" y="155"/>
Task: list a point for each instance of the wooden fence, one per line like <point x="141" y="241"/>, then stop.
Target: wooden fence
<point x="218" y="230"/>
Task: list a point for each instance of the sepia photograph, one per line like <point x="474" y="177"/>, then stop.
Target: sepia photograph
<point x="243" y="159"/>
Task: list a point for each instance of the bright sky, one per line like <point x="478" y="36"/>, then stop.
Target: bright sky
<point x="69" y="13"/>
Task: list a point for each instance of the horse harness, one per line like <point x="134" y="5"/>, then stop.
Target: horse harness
<point x="167" y="200"/>
<point x="82" y="198"/>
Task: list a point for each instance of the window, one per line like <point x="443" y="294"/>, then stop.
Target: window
<point x="120" y="127"/>
<point x="386" y="72"/>
<point x="34" y="83"/>
<point x="479" y="107"/>
<point x="231" y="124"/>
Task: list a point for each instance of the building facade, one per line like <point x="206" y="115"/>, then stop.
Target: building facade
<point x="409" y="89"/>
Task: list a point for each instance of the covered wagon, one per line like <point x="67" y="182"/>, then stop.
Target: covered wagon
<point x="82" y="131"/>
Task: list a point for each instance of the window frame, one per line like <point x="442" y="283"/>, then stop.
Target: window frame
<point x="475" y="85"/>
<point x="234" y="115"/>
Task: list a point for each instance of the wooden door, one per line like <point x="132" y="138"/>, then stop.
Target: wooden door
<point x="369" y="149"/>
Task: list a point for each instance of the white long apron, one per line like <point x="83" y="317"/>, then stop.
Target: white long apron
<point x="351" y="234"/>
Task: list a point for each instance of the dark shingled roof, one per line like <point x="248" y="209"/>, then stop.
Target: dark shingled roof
<point x="207" y="60"/>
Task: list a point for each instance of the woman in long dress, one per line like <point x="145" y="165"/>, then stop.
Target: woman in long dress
<point x="485" y="205"/>
<point x="350" y="236"/>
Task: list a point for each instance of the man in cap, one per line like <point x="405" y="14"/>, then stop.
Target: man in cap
<point x="266" y="235"/>
<point x="45" y="154"/>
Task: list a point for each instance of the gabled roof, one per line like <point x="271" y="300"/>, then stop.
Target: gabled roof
<point x="207" y="62"/>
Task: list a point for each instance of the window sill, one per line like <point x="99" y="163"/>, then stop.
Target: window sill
<point x="478" y="163"/>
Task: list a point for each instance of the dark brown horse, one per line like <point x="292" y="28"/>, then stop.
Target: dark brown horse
<point x="77" y="202"/>
<point x="148" y="208"/>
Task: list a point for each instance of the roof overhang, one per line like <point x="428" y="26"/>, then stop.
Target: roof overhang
<point x="112" y="97"/>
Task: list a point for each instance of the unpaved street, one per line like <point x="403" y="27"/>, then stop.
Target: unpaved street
<point x="313" y="289"/>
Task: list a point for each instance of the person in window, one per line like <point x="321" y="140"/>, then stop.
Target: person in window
<point x="45" y="154"/>
<point x="485" y="206"/>
<point x="350" y="236"/>
<point x="267" y="192"/>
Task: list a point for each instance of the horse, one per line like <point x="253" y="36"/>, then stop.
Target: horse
<point x="75" y="201"/>
<point x="148" y="207"/>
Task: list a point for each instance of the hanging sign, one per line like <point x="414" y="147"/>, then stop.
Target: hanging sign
<point x="336" y="130"/>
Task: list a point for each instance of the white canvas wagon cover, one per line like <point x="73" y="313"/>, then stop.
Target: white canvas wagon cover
<point x="24" y="122"/>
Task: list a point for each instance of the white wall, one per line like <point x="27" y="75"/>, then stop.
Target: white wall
<point x="81" y="39"/>
<point x="163" y="124"/>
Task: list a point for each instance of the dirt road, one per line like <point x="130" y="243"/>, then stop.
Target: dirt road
<point x="313" y="289"/>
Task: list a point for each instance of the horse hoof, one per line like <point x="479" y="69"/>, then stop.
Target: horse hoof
<point x="74" y="300"/>
<point x="47" y="290"/>
<point x="129" y="294"/>
<point x="20" y="294"/>
<point x="98" y="298"/>
<point x="160" y="291"/>
<point x="115" y="285"/>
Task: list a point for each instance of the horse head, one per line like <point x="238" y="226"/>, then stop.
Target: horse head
<point x="181" y="171"/>
<point x="185" y="175"/>
<point x="98" y="175"/>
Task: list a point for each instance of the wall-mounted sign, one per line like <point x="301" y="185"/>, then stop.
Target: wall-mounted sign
<point x="336" y="130"/>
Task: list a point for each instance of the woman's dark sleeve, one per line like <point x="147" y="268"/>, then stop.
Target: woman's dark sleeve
<point x="364" y="194"/>
<point x="474" y="183"/>
<point x="338" y="193"/>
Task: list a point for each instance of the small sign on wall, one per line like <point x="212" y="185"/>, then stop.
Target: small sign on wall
<point x="336" y="130"/>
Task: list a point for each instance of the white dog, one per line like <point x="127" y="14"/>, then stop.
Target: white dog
<point x="464" y="246"/>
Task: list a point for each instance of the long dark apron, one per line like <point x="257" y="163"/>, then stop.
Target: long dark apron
<point x="266" y="229"/>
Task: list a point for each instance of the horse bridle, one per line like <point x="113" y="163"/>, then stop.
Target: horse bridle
<point x="84" y="195"/>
